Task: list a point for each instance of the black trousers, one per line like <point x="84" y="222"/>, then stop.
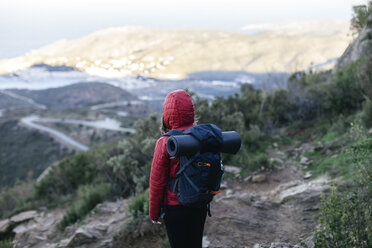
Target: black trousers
<point x="185" y="225"/>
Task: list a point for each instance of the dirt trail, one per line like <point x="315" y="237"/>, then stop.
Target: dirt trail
<point x="246" y="214"/>
<point x="280" y="209"/>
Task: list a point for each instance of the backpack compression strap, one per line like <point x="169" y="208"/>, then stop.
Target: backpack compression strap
<point x="173" y="132"/>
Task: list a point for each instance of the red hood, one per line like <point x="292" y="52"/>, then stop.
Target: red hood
<point x="178" y="110"/>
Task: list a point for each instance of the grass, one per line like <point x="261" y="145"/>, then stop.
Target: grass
<point x="334" y="166"/>
<point x="6" y="244"/>
<point x="139" y="205"/>
<point x="87" y="198"/>
<point x="330" y="136"/>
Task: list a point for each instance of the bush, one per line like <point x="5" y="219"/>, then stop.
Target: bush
<point x="367" y="114"/>
<point x="365" y="73"/>
<point x="346" y="221"/>
<point x="346" y="216"/>
<point x="360" y="16"/>
<point x="6" y="244"/>
<point x="88" y="197"/>
<point x="14" y="197"/>
<point x="140" y="205"/>
<point x="72" y="172"/>
<point x="132" y="163"/>
<point x="256" y="162"/>
<point x="343" y="94"/>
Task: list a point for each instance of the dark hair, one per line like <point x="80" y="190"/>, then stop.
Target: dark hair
<point x="163" y="128"/>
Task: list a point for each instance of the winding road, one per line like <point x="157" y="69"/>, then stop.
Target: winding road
<point x="29" y="121"/>
<point x="109" y="124"/>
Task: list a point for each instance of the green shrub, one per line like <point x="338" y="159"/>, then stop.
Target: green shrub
<point x="346" y="216"/>
<point x="360" y="16"/>
<point x="131" y="165"/>
<point x="256" y="161"/>
<point x="345" y="222"/>
<point x="140" y="205"/>
<point x="367" y="114"/>
<point x="343" y="94"/>
<point x="14" y="197"/>
<point x="88" y="197"/>
<point x="66" y="177"/>
<point x="6" y="244"/>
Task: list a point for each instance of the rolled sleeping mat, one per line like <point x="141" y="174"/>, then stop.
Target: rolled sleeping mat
<point x="231" y="142"/>
<point x="187" y="145"/>
<point x="182" y="145"/>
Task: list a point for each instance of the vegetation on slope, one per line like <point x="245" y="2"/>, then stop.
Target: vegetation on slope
<point x="38" y="152"/>
<point x="332" y="108"/>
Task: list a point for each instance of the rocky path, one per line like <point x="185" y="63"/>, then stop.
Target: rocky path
<point x="268" y="208"/>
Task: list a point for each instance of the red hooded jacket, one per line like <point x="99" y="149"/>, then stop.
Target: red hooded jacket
<point x="178" y="112"/>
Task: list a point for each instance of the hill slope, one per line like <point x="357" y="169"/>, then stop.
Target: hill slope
<point x="173" y="54"/>
<point x="77" y="95"/>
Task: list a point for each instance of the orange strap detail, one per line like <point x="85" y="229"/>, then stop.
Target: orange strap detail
<point x="204" y="164"/>
<point x="212" y="192"/>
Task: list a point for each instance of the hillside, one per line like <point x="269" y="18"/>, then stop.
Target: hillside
<point x="40" y="127"/>
<point x="24" y="153"/>
<point x="77" y="95"/>
<point x="173" y="54"/>
<point x="7" y="101"/>
<point x="302" y="178"/>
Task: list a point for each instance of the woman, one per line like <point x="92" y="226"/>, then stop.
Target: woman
<point x="184" y="225"/>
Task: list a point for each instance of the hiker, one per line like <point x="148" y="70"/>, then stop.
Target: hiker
<point x="184" y="225"/>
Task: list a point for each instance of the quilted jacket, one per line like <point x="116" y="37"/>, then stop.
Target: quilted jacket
<point x="178" y="112"/>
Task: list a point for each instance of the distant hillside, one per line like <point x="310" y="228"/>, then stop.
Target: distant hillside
<point x="173" y="54"/>
<point x="7" y="101"/>
<point x="77" y="95"/>
<point x="25" y="152"/>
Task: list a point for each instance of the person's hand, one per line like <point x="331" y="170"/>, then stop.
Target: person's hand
<point x="156" y="222"/>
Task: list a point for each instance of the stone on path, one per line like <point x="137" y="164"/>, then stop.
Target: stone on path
<point x="4" y="225"/>
<point x="308" y="175"/>
<point x="259" y="178"/>
<point x="231" y="169"/>
<point x="21" y="217"/>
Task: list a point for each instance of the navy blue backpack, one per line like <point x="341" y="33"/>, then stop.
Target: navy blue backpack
<point x="199" y="177"/>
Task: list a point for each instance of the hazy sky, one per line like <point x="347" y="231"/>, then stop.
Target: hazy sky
<point x="30" y="24"/>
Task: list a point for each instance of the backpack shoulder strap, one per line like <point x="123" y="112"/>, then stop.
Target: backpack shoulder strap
<point x="173" y="132"/>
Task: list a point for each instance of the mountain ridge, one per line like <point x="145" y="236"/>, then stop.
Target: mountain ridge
<point x="175" y="53"/>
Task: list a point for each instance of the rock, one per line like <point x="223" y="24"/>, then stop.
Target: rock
<point x="232" y="169"/>
<point x="4" y="225"/>
<point x="360" y="46"/>
<point x="80" y="237"/>
<point x="291" y="190"/>
<point x="248" y="178"/>
<point x="308" y="242"/>
<point x="24" y="216"/>
<point x="276" y="245"/>
<point x="223" y="186"/>
<point x="305" y="161"/>
<point x="308" y="175"/>
<point x="206" y="242"/>
<point x="259" y="178"/>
